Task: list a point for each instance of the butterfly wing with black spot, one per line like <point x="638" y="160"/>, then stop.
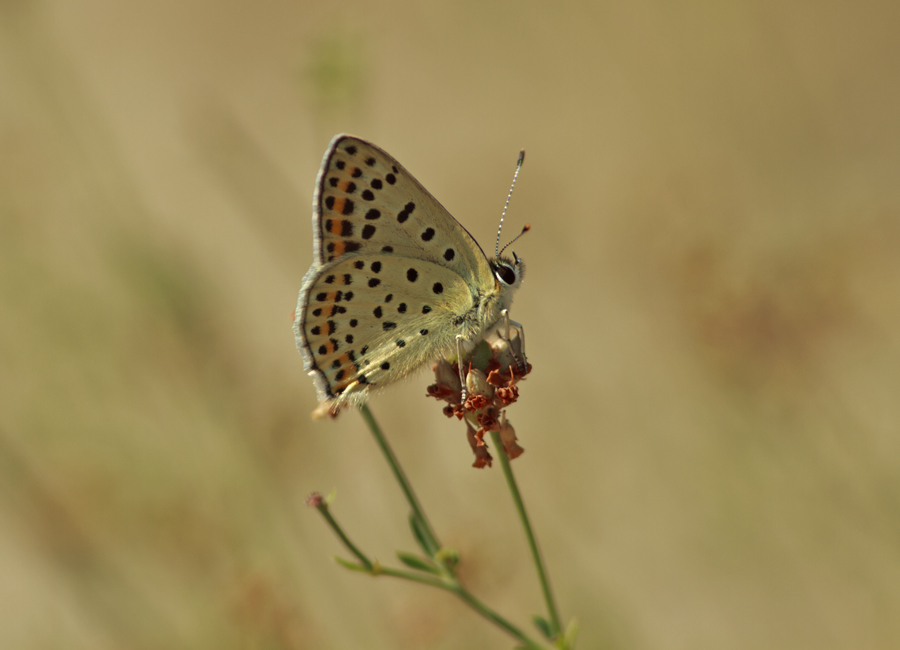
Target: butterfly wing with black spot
<point x="366" y="201"/>
<point x="393" y="278"/>
<point x="373" y="319"/>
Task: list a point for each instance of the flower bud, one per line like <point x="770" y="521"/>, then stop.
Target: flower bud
<point x="477" y="384"/>
<point x="446" y="375"/>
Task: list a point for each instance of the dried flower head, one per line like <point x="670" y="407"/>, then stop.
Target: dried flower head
<point x="486" y="386"/>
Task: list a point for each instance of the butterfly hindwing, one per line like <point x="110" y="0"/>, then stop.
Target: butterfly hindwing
<point x="372" y="319"/>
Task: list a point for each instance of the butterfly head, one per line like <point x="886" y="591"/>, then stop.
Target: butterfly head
<point x="508" y="271"/>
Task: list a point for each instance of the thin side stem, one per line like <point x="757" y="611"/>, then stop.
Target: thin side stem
<point x="529" y="533"/>
<point x="400" y="475"/>
<point x="365" y="561"/>
<point x="413" y="577"/>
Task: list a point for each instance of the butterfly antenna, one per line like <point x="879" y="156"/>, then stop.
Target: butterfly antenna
<point x="524" y="230"/>
<point x="508" y="197"/>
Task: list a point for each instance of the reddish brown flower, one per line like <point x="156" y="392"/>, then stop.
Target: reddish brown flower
<point x="508" y="437"/>
<point x="488" y="420"/>
<point x="492" y="370"/>
<point x="495" y="378"/>
<point x="476" y="402"/>
<point x="508" y="395"/>
<point x="483" y="457"/>
<point x="439" y="391"/>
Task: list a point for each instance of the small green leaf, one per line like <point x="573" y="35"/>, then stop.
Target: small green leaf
<point x="331" y="497"/>
<point x="544" y="626"/>
<point x="418" y="531"/>
<point x="416" y="562"/>
<point x="353" y="566"/>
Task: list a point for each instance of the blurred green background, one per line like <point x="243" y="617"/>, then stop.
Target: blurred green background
<point x="712" y="305"/>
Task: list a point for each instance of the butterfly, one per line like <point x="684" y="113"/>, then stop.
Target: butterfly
<point x="395" y="282"/>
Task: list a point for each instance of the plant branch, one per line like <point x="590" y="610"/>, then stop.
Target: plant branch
<point x="430" y="538"/>
<point x="494" y="617"/>
<point x="448" y="581"/>
<point x="322" y="507"/>
<point x="454" y="587"/>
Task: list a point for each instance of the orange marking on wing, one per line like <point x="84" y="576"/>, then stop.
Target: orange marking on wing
<point x="345" y="361"/>
<point x="338" y="247"/>
<point x="347" y="184"/>
<point x="339" y="208"/>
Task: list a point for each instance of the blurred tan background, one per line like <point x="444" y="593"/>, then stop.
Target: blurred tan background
<point x="712" y="305"/>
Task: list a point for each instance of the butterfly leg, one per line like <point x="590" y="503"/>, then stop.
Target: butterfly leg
<point x="520" y="331"/>
<point x="459" y="363"/>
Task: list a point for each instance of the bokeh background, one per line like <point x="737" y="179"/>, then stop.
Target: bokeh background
<point x="712" y="305"/>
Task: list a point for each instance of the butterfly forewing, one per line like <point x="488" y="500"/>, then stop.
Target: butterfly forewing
<point x="366" y="202"/>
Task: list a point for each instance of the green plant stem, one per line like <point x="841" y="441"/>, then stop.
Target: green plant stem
<point x="365" y="561"/>
<point x="400" y="475"/>
<point x="449" y="581"/>
<point x="493" y="616"/>
<point x="529" y="533"/>
<point x="453" y="586"/>
<point x="409" y="575"/>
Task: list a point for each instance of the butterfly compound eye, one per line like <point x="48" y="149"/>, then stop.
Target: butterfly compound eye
<point x="506" y="274"/>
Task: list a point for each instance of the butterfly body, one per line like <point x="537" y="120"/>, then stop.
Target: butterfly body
<point x="395" y="279"/>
